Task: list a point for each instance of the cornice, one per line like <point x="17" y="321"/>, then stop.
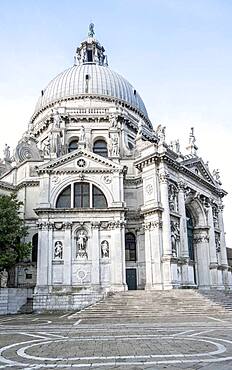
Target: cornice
<point x="77" y="211"/>
<point x="121" y="102"/>
<point x="28" y="183"/>
<point x="4" y="185"/>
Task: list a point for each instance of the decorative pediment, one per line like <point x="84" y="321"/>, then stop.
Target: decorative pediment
<point x="199" y="168"/>
<point x="80" y="160"/>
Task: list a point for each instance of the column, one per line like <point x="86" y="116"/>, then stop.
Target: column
<point x="116" y="257"/>
<point x="167" y="248"/>
<point x="148" y="271"/>
<point x="183" y="222"/>
<point x="156" y="250"/>
<point x="50" y="248"/>
<point x="42" y="262"/>
<point x="123" y="252"/>
<point x="212" y="249"/>
<point x="223" y="253"/>
<point x="201" y="241"/>
<point x="67" y="254"/>
<point x="95" y="254"/>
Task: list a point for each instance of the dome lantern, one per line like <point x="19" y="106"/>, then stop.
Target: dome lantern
<point x="90" y="51"/>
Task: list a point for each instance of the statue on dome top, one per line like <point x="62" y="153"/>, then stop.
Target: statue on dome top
<point x="91" y="30"/>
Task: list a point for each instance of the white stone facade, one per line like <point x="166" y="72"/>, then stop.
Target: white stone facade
<point x="114" y="206"/>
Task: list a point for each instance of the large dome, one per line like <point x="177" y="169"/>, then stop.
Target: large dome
<point x="88" y="80"/>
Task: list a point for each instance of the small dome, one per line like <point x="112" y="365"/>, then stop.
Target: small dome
<point x="90" y="79"/>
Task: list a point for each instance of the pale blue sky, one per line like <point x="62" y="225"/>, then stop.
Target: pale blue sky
<point x="177" y="53"/>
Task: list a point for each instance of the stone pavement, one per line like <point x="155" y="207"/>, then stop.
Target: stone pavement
<point x="64" y="341"/>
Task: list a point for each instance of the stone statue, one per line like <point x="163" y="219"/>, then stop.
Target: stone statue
<point x="161" y="133"/>
<point x="58" y="250"/>
<point x="46" y="147"/>
<point x="192" y="138"/>
<point x="3" y="278"/>
<point x="113" y="121"/>
<point x="82" y="134"/>
<point x="56" y="119"/>
<point x="172" y="197"/>
<point x="105" y="249"/>
<point x="216" y="175"/>
<point x="55" y="143"/>
<point x="6" y="153"/>
<point x="175" y="237"/>
<point x="82" y="244"/>
<point x="114" y="145"/>
<point x="91" y="32"/>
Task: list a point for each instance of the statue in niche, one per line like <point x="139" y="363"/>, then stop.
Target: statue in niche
<point x="3" y="278"/>
<point x="175" y="237"/>
<point x="82" y="134"/>
<point x="7" y="153"/>
<point x="114" y="145"/>
<point x="172" y="197"/>
<point x="82" y="244"/>
<point x="58" y="251"/>
<point x="105" y="250"/>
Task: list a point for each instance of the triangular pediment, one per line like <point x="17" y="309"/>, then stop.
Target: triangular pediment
<point x="199" y="168"/>
<point x="80" y="160"/>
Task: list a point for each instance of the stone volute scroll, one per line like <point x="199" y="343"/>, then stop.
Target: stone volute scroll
<point x="81" y="242"/>
<point x="105" y="250"/>
<point x="58" y="250"/>
<point x="27" y="148"/>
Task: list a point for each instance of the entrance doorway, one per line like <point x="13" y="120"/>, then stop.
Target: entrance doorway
<point x="190" y="228"/>
<point x="131" y="279"/>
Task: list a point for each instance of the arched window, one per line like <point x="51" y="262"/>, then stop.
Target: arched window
<point x="130" y="247"/>
<point x="99" y="199"/>
<point x="100" y="148"/>
<point x="73" y="145"/>
<point x="81" y="195"/>
<point x="190" y="235"/>
<point x="64" y="199"/>
<point x="34" y="248"/>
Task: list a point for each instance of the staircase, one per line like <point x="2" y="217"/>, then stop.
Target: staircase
<point x="147" y="305"/>
<point x="221" y="297"/>
<point x="27" y="307"/>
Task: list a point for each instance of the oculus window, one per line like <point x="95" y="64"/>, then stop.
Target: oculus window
<point x="81" y="195"/>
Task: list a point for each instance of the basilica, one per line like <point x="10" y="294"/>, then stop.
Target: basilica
<point x="110" y="205"/>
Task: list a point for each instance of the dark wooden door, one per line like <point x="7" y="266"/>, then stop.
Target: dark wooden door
<point x="131" y="279"/>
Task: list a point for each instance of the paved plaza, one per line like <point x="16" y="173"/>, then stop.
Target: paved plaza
<point x="62" y="340"/>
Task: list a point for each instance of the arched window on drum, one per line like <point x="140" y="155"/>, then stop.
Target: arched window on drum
<point x="100" y="148"/>
<point x="73" y="145"/>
